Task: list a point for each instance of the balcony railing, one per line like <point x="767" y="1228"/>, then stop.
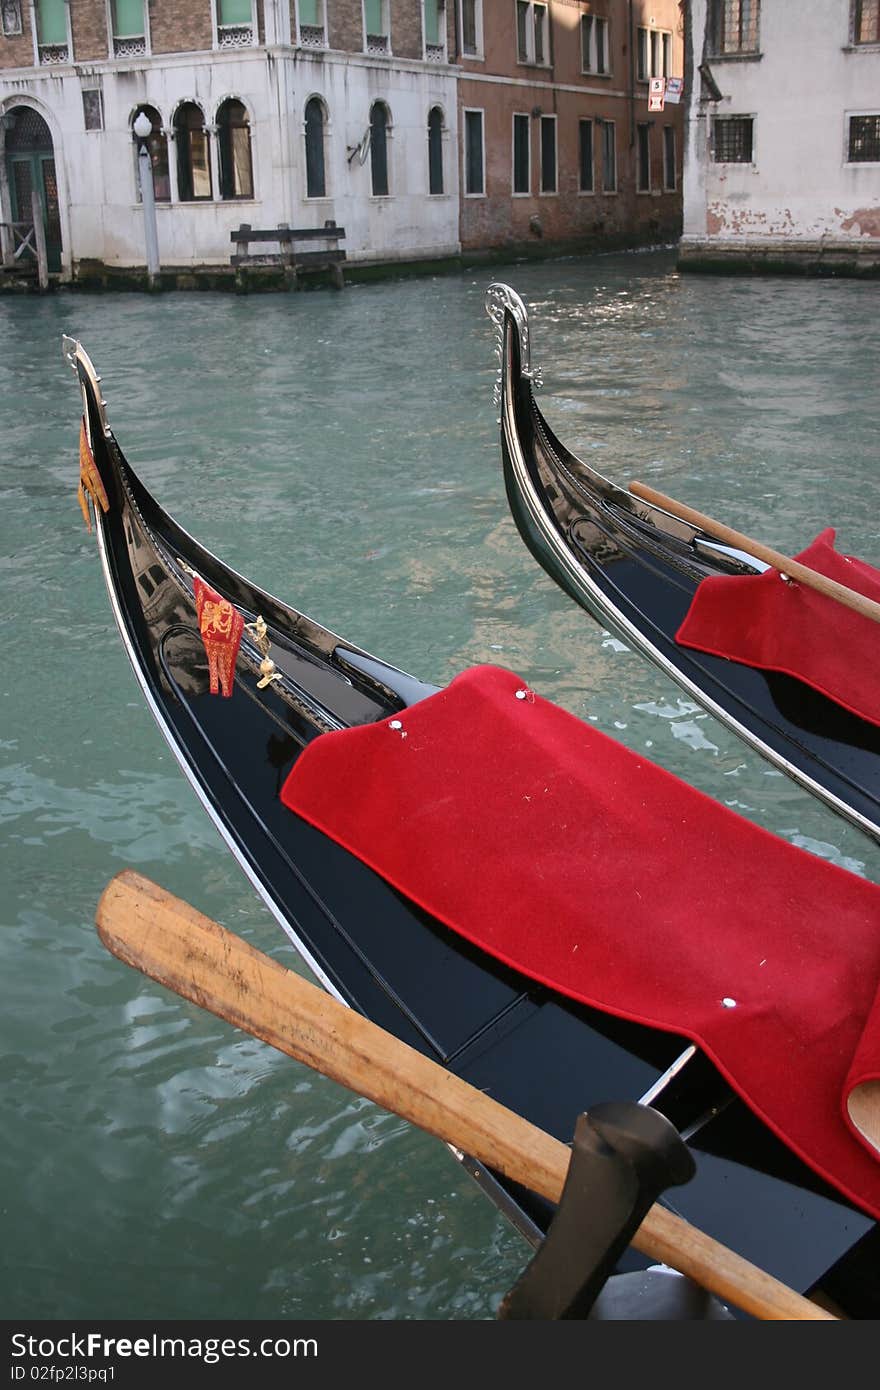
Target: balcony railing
<point x="130" y="47"/>
<point x="312" y="36"/>
<point x="235" y="36"/>
<point x="54" y="53"/>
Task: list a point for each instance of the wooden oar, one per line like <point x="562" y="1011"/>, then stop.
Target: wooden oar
<point x="150" y="929"/>
<point x="793" y="568"/>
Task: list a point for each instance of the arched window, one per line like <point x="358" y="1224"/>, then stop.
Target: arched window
<point x="234" y="147"/>
<point x="435" y="150"/>
<point x="316" y="180"/>
<point x="193" y="157"/>
<point x="379" y="123"/>
<point x="157" y="144"/>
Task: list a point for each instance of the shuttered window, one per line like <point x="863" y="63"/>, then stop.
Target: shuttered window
<point x="51" y="21"/>
<point x="473" y="152"/>
<point x="234" y="12"/>
<point x="548" y="154"/>
<point x="435" y="150"/>
<point x="521" y="152"/>
<point x="128" y="19"/>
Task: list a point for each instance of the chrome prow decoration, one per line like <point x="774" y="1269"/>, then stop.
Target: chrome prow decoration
<point x="498" y="298"/>
<point x="77" y="358"/>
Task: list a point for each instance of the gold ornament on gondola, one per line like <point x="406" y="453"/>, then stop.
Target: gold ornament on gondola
<point x="89" y="479"/>
<point x="258" y="631"/>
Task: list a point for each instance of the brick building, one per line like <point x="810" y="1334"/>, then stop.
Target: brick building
<point x="558" y="143"/>
<point x="423" y="127"/>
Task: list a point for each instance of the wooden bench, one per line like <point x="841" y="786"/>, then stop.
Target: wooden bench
<point x="293" y="260"/>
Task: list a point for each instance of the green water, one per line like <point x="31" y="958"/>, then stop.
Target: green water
<point x="342" y="450"/>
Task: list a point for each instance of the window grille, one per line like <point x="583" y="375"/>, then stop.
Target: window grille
<point x="866" y="21"/>
<point x="732" y="137"/>
<point x="733" y="26"/>
<point x="864" y="139"/>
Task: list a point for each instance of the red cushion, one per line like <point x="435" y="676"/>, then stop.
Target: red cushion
<point x="590" y="869"/>
<point x="764" y="621"/>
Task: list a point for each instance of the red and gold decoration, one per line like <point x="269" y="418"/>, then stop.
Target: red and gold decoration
<point x="221" y="626"/>
<point x="89" y="479"/>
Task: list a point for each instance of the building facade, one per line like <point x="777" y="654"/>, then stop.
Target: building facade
<point x="783" y="136"/>
<point x="558" y="141"/>
<point x="423" y="127"/>
<point x="260" y="114"/>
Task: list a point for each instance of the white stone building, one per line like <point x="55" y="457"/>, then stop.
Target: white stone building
<point x="782" y="147"/>
<point x="263" y="113"/>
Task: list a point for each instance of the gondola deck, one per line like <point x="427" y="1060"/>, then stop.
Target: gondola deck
<point x="543" y="1056"/>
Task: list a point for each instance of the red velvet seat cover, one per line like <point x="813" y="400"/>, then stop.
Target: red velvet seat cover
<point x="592" y="870"/>
<point x="763" y="621"/>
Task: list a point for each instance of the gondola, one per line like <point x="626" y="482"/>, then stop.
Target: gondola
<point x="636" y="568"/>
<point x="293" y="685"/>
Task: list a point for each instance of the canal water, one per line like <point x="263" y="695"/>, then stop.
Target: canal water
<point x="340" y="448"/>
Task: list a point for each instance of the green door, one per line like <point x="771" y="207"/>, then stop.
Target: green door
<point x="37" y="171"/>
<point x="30" y="166"/>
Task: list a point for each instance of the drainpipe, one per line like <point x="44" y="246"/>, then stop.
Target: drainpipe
<point x="632" y="79"/>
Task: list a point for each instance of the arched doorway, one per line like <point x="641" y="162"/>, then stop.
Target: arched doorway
<point x="30" y="165"/>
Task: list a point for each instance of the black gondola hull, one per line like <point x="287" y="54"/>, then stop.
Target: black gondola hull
<point x="539" y="1054"/>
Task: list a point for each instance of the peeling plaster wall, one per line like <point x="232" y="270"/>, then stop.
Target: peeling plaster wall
<point x="801" y="92"/>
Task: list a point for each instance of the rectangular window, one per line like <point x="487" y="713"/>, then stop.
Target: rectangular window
<point x="10" y="11"/>
<point x="129" y="28"/>
<point x="609" y="157"/>
<point x="733" y="26"/>
<point x="473" y="153"/>
<point x="866" y="21"/>
<point x="234" y="12"/>
<point x="548" y="154"/>
<point x="434" y="12"/>
<point x="128" y="18"/>
<point x="732" y="139"/>
<point x="377" y="27"/>
<point x="585" y="156"/>
<point x="312" y="33"/>
<point x="235" y="24"/>
<point x="472" y="28"/>
<point x="595" y="50"/>
<point x="669" y="181"/>
<point x="51" y="17"/>
<point x="653" y="50"/>
<point x="522" y="178"/>
<point x="643" y="159"/>
<point x="93" y="108"/>
<point x="531" y="33"/>
<point x="864" y="139"/>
